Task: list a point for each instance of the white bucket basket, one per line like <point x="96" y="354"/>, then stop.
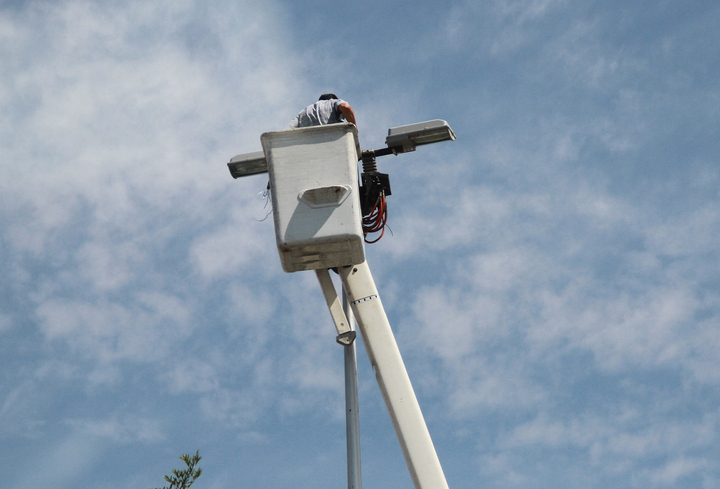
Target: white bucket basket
<point x="316" y="206"/>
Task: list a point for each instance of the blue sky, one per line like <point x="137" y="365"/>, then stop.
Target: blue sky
<point x="552" y="276"/>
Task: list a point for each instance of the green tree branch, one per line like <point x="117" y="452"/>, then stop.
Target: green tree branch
<point x="182" y="479"/>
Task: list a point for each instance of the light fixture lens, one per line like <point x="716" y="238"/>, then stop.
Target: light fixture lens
<point x="248" y="164"/>
<point x="411" y="135"/>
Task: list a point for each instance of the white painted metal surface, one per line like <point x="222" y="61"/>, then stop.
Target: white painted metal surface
<point x="316" y="206"/>
<point x="410" y="427"/>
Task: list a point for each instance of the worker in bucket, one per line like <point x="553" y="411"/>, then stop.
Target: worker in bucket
<point x="327" y="110"/>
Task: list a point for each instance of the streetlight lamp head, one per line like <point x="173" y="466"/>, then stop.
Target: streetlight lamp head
<point x="405" y="138"/>
<point x="246" y="164"/>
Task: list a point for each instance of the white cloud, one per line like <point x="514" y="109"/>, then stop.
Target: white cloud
<point x="193" y="376"/>
<point x="17" y="411"/>
<point x="117" y="126"/>
<point x="123" y="430"/>
<point x="5" y="322"/>
<point x="239" y="244"/>
<point x="452" y="324"/>
<point x="60" y="464"/>
<point x="122" y="114"/>
<point x="143" y="331"/>
<point x="110" y="265"/>
<point x="675" y="470"/>
<point x="615" y="443"/>
<point x="690" y="233"/>
<point x="235" y="408"/>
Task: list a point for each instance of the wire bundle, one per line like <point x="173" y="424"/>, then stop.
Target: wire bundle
<point x="376" y="220"/>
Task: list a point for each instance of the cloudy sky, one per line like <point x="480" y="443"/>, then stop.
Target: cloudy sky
<point x="553" y="276"/>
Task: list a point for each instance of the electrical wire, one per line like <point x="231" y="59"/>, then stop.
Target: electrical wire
<point x="265" y="195"/>
<point x="376" y="220"/>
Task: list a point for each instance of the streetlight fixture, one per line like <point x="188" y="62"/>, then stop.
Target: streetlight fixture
<point x="320" y="211"/>
<point x="405" y="138"/>
<point x="247" y="164"/>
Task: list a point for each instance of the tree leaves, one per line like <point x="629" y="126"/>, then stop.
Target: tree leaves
<point x="182" y="479"/>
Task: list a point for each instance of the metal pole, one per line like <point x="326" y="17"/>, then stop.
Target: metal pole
<point x="400" y="399"/>
<point x="352" y="413"/>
